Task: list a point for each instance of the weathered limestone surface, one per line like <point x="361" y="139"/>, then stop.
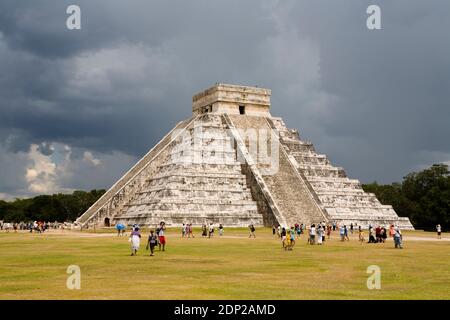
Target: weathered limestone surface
<point x="214" y="167"/>
<point x="285" y="185"/>
<point x="341" y="198"/>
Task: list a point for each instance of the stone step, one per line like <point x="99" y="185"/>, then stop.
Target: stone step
<point x="188" y="177"/>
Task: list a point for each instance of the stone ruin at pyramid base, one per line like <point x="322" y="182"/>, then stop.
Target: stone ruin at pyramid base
<point x="232" y="163"/>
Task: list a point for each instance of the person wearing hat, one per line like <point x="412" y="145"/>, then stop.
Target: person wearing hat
<point x="151" y="243"/>
<point x="398" y="237"/>
<point x="135" y="239"/>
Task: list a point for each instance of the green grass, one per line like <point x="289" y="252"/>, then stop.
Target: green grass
<point x="33" y="266"/>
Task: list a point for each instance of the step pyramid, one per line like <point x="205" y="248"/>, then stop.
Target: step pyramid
<point x="235" y="164"/>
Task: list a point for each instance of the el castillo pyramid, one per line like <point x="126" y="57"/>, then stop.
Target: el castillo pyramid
<point x="233" y="163"/>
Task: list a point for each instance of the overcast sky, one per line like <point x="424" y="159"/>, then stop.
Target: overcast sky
<point x="79" y="107"/>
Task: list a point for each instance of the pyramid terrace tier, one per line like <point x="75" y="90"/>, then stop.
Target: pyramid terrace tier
<point x="208" y="193"/>
<point x="195" y="178"/>
<point x="333" y="183"/>
<point x="197" y="218"/>
<point x="322" y="171"/>
<point x="311" y="158"/>
<point x="207" y="168"/>
<point x="169" y="203"/>
<point x="349" y="200"/>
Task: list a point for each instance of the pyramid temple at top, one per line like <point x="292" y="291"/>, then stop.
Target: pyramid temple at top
<point x="233" y="163"/>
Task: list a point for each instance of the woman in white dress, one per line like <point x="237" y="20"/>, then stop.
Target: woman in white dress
<point x="135" y="240"/>
<point x="319" y="234"/>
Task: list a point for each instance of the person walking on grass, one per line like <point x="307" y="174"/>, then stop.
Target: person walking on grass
<point x="252" y="231"/>
<point x="329" y="231"/>
<point x="319" y="234"/>
<point x="135" y="239"/>
<point x="371" y="235"/>
<point x="183" y="231"/>
<point x="439" y="231"/>
<point x="361" y="235"/>
<point x="211" y="230"/>
<point x="391" y="231"/>
<point x="220" y="230"/>
<point x="383" y="234"/>
<point x="162" y="237"/>
<point x="190" y="231"/>
<point x="151" y="243"/>
<point x="283" y="234"/>
<point x="398" y="238"/>
<point x="273" y="229"/>
<point x="292" y="244"/>
<point x="346" y="233"/>
<point x="342" y="233"/>
<point x="312" y="234"/>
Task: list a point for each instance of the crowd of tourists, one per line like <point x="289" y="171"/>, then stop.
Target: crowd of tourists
<point x="318" y="233"/>
<point x="156" y="238"/>
<point x="31" y="226"/>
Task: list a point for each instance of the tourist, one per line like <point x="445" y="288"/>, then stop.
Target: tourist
<point x="351" y="228"/>
<point x="279" y="231"/>
<point x="361" y="235"/>
<point x="346" y="233"/>
<point x="151" y="243"/>
<point x="391" y="231"/>
<point x="283" y="238"/>
<point x="334" y="225"/>
<point x="252" y="231"/>
<point x="378" y="234"/>
<point x="161" y="237"/>
<point x="190" y="231"/>
<point x="204" y="230"/>
<point x="371" y="235"/>
<point x="211" y="230"/>
<point x="220" y="230"/>
<point x="383" y="234"/>
<point x="120" y="229"/>
<point x="292" y="239"/>
<point x="439" y="231"/>
<point x="342" y="233"/>
<point x="273" y="229"/>
<point x="329" y="231"/>
<point x="398" y="238"/>
<point x="319" y="234"/>
<point x="312" y="234"/>
<point x="135" y="239"/>
<point x="183" y="231"/>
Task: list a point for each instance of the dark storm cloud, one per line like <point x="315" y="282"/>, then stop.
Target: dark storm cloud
<point x="376" y="102"/>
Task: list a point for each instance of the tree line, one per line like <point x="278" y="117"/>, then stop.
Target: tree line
<point x="57" y="207"/>
<point x="423" y="197"/>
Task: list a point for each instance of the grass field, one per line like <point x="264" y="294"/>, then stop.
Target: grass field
<point x="33" y="266"/>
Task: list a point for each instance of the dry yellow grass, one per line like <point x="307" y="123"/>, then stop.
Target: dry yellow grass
<point x="33" y="266"/>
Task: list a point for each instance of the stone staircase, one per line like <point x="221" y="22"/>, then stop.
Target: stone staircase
<point x="285" y="186"/>
<point x="343" y="199"/>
